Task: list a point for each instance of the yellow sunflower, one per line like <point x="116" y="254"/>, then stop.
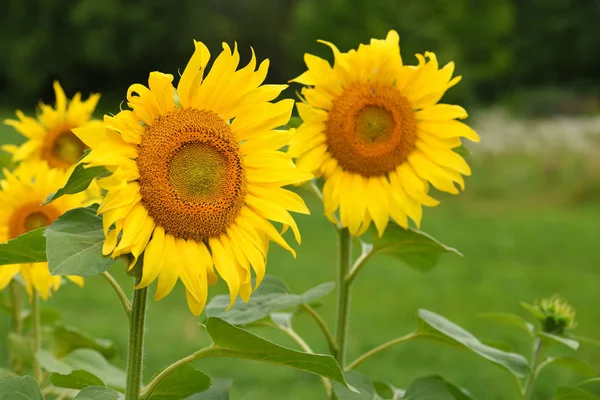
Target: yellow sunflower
<point x="49" y="137"/>
<point x="374" y="130"/>
<point x="22" y="193"/>
<point x="197" y="174"/>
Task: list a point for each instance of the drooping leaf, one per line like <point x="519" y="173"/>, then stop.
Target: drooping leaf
<point x="68" y="338"/>
<point x="99" y="393"/>
<point x="93" y="362"/>
<point x="27" y="248"/>
<point x="434" y="388"/>
<point x="359" y="388"/>
<point x="572" y="393"/>
<point x="74" y="244"/>
<point x="436" y="327"/>
<point x="79" y="181"/>
<point x="219" y="390"/>
<point x="415" y="248"/>
<point x="181" y="383"/>
<point x="272" y="295"/>
<point x="77" y="379"/>
<point x="20" y="388"/>
<point x="230" y="341"/>
<point x="511" y="320"/>
<point x="572" y="363"/>
<point x="570" y="343"/>
<point x="51" y="363"/>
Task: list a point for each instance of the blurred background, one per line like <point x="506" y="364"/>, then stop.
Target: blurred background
<point x="528" y="222"/>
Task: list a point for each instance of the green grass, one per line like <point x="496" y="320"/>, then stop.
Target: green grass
<point x="526" y="232"/>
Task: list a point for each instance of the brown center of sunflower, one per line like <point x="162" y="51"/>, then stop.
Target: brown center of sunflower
<point x="62" y="148"/>
<point x="371" y="129"/>
<point x="192" y="177"/>
<point x="31" y="216"/>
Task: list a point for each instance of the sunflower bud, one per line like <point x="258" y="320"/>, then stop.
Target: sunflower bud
<point x="555" y="314"/>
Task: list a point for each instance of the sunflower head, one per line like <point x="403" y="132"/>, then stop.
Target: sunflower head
<point x="21" y="210"/>
<point x="49" y="136"/>
<point x="374" y="130"/>
<point x="197" y="176"/>
<point x="555" y="315"/>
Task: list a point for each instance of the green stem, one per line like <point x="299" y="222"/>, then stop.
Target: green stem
<point x="162" y="375"/>
<point x="380" y="348"/>
<point x="358" y="264"/>
<point x="535" y="360"/>
<point x="135" y="348"/>
<point x="120" y="293"/>
<point x="37" y="335"/>
<point x="323" y="325"/>
<point x="343" y="298"/>
<point x="16" y="308"/>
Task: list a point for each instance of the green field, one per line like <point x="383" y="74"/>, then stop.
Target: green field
<point x="526" y="229"/>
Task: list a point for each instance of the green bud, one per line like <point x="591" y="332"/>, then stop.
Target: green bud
<point x="555" y="314"/>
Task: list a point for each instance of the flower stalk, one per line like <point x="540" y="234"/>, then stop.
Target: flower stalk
<point x="343" y="298"/>
<point x="16" y="309"/>
<point x="135" y="348"/>
<point x="37" y="334"/>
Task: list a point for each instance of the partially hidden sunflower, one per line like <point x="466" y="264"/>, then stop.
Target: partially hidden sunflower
<point x="22" y="193"/>
<point x="374" y="130"/>
<point x="50" y="137"/>
<point x="196" y="176"/>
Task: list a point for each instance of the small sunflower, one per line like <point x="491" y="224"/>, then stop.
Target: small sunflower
<point x="197" y="174"/>
<point x="374" y="130"/>
<point x="21" y="196"/>
<point x="49" y="137"/>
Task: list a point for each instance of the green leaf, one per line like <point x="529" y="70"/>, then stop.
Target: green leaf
<point x="27" y="248"/>
<point x="21" y="347"/>
<point x="294" y="122"/>
<point x="413" y="247"/>
<point x="48" y="317"/>
<point x="462" y="150"/>
<point x="434" y="388"/>
<point x="74" y="244"/>
<point x="67" y="339"/>
<point x="99" y="393"/>
<point x="570" y="343"/>
<point x="219" y="390"/>
<point x="79" y="181"/>
<point x="20" y="388"/>
<point x="4" y="373"/>
<point x="498" y="344"/>
<point x="434" y="326"/>
<point x="510" y="320"/>
<point x="387" y="391"/>
<point x="359" y="388"/>
<point x="230" y="341"/>
<point x="93" y="362"/>
<point x="78" y="379"/>
<point x="534" y="311"/>
<point x="583" y="339"/>
<point x="51" y="363"/>
<point x="571" y="393"/>
<point x="272" y="295"/>
<point x="181" y="383"/>
<point x="572" y="363"/>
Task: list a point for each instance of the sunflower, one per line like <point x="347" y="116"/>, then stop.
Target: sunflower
<point x="21" y="196"/>
<point x="374" y="130"/>
<point x="49" y="137"/>
<point x="196" y="175"/>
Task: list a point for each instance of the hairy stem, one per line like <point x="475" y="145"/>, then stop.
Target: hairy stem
<point x="37" y="335"/>
<point x="381" y="348"/>
<point x="323" y="325"/>
<point x="16" y="310"/>
<point x="343" y="298"/>
<point x="120" y="293"/>
<point x="535" y="360"/>
<point x="135" y="348"/>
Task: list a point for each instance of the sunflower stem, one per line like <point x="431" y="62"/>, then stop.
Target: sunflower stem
<point x="37" y="335"/>
<point x="135" y="348"/>
<point x="343" y="298"/>
<point x="535" y="361"/>
<point x="16" y="310"/>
